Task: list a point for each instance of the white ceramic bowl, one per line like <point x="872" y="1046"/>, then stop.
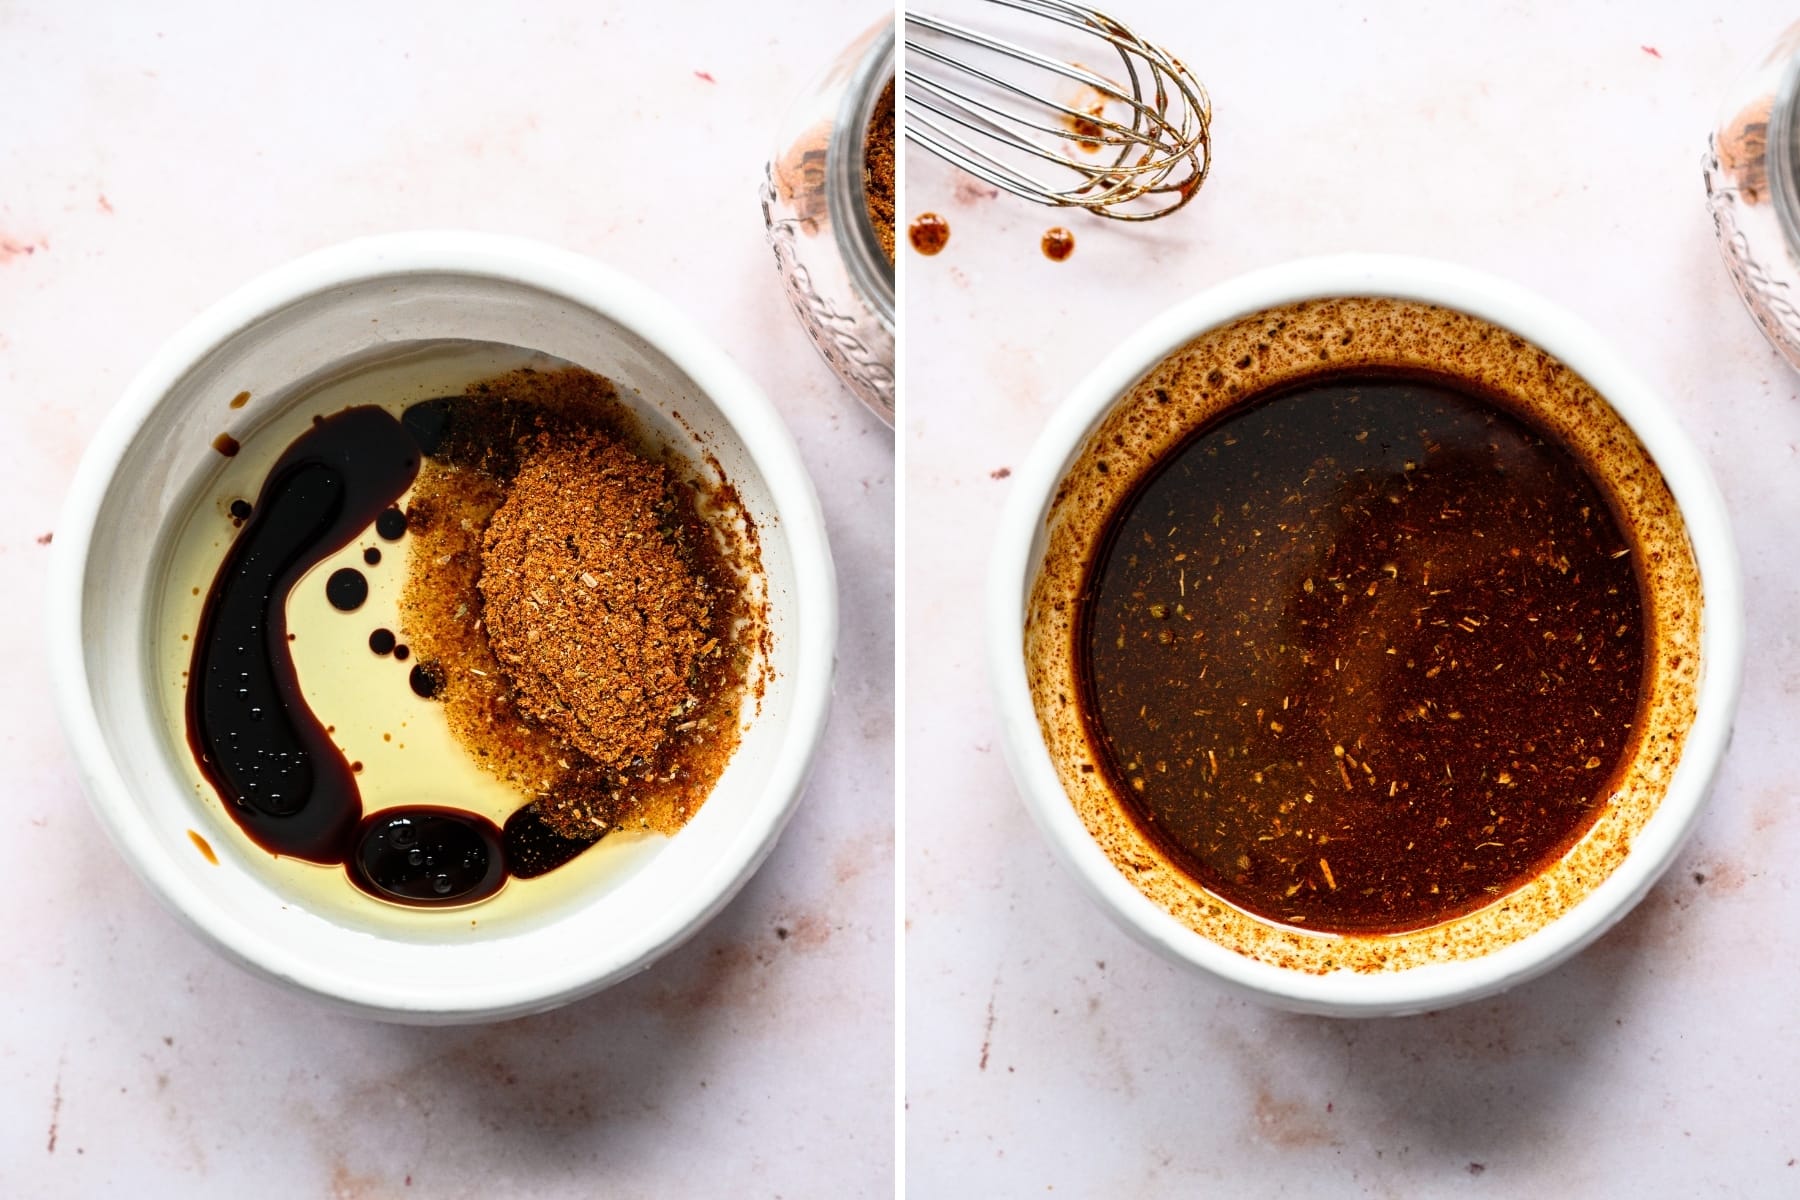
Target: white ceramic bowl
<point x="364" y="300"/>
<point x="1019" y="553"/>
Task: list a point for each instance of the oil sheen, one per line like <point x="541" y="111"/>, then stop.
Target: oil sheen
<point x="394" y="741"/>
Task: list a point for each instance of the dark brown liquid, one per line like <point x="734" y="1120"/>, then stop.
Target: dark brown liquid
<point x="533" y="848"/>
<point x="347" y="589"/>
<point x="425" y="681"/>
<point x="428" y="857"/>
<point x="256" y="740"/>
<point x="1363" y="654"/>
<point x="1058" y="244"/>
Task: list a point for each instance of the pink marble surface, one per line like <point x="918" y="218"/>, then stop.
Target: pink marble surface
<point x="1555" y="144"/>
<point x="148" y="164"/>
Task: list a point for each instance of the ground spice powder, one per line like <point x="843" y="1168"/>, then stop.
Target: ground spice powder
<point x="591" y="607"/>
<point x="583" y="501"/>
<point x="878" y="170"/>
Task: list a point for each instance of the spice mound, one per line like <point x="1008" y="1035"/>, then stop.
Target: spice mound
<point x="878" y="170"/>
<point x="591" y="606"/>
<point x="579" y="603"/>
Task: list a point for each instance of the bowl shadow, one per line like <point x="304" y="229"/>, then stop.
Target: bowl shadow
<point x="598" y="1078"/>
<point x="1496" y="1077"/>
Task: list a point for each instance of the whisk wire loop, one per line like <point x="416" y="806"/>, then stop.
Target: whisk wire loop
<point x="1057" y="132"/>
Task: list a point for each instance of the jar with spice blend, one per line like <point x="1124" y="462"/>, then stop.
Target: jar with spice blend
<point x="828" y="202"/>
<point x="1753" y="191"/>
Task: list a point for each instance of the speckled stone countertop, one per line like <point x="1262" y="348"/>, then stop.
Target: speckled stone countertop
<point x="1047" y="1053"/>
<point x="150" y="164"/>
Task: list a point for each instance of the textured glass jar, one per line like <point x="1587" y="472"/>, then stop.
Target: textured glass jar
<point x="838" y="279"/>
<point x="1753" y="191"/>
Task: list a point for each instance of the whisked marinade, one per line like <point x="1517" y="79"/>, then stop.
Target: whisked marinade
<point x="1364" y="654"/>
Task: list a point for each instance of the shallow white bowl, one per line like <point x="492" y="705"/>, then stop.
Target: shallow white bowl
<point x="1020" y="547"/>
<point x="349" y="304"/>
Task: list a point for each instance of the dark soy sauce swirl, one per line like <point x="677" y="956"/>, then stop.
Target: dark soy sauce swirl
<point x="283" y="779"/>
<point x="251" y="731"/>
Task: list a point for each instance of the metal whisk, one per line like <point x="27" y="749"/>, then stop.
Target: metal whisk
<point x="1133" y="147"/>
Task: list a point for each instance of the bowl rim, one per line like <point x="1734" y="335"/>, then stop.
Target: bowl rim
<point x="611" y="296"/>
<point x="1551" y="328"/>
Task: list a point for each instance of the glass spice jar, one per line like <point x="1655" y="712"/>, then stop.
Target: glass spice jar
<point x="1752" y="170"/>
<point x="838" y="278"/>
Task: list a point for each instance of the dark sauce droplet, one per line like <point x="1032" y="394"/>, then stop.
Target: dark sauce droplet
<point x="401" y="653"/>
<point x="253" y="736"/>
<point x="226" y="444"/>
<point x="347" y="589"/>
<point x="391" y="524"/>
<point x="928" y="233"/>
<point x="533" y="848"/>
<point x="372" y="556"/>
<point x="428" y="856"/>
<point x="425" y="680"/>
<point x="241" y="510"/>
<point x="1452" y="603"/>
<point x="429" y="424"/>
<point x="382" y="641"/>
<point x="1058" y="244"/>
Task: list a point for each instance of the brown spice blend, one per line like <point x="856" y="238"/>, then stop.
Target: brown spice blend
<point x="878" y="170"/>
<point x="531" y="435"/>
<point x="591" y="606"/>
